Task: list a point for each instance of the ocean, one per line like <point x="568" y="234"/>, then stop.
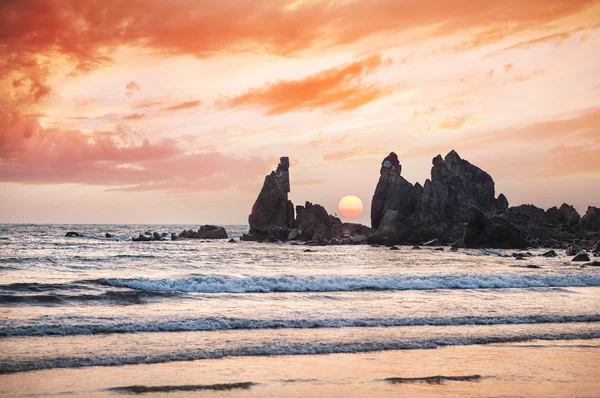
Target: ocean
<point x="71" y="303"/>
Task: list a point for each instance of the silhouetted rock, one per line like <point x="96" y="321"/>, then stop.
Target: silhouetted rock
<point x="73" y="234"/>
<point x="107" y="235"/>
<point x="501" y="203"/>
<point x="492" y="232"/>
<point x="591" y="219"/>
<point x="272" y="209"/>
<point x="572" y="250"/>
<point x="565" y="215"/>
<point x="394" y="248"/>
<point x="313" y="222"/>
<point x="231" y="241"/>
<point x="212" y="232"/>
<point x="402" y="212"/>
<point x="581" y="256"/>
<point x="593" y="264"/>
<point x="550" y="253"/>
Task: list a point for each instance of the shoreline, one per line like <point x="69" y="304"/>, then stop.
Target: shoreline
<point x="533" y="368"/>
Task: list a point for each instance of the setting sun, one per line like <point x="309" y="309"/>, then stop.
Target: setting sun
<point x="350" y="206"/>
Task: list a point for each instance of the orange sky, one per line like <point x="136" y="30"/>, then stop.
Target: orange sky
<point x="173" y="111"/>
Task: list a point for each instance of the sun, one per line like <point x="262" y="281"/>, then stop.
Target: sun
<point x="350" y="206"/>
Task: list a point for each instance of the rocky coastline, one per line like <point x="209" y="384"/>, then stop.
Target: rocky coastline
<point x="456" y="207"/>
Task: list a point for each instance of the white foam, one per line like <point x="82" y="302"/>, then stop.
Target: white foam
<point x="266" y="284"/>
<point x="88" y="326"/>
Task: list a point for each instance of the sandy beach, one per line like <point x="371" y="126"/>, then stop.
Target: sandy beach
<point x="533" y="369"/>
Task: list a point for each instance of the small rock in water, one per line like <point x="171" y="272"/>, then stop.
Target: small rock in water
<point x="520" y="257"/>
<point x="453" y="248"/>
<point x="73" y="234"/>
<point x="573" y="250"/>
<point x="550" y="253"/>
<point x="232" y="241"/>
<point x="441" y="249"/>
<point x="309" y="251"/>
<point x="581" y="256"/>
<point x="593" y="264"/>
<point x="532" y="266"/>
<point x="394" y="248"/>
<point x="416" y="247"/>
<point x="107" y="235"/>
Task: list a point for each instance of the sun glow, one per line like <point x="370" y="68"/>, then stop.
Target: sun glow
<point x="350" y="206"/>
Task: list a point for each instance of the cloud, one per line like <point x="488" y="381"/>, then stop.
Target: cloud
<point x="508" y="68"/>
<point x="454" y="123"/>
<point x="132" y="88"/>
<point x="134" y="116"/>
<point x="424" y="111"/>
<point x="555" y="38"/>
<point x="123" y="158"/>
<point x="336" y="89"/>
<point x="354" y="152"/>
<point x="183" y="105"/>
<point x="529" y="76"/>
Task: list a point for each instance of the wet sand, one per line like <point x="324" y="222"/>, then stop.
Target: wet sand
<point x="532" y="369"/>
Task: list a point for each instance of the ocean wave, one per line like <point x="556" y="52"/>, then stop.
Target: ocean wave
<point x="307" y="348"/>
<point x="92" y="326"/>
<point x="110" y="297"/>
<point x="43" y="287"/>
<point x="266" y="284"/>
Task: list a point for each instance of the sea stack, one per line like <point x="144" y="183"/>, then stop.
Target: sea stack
<point x="272" y="213"/>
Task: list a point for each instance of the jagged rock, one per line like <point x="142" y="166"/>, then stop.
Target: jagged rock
<point x="496" y="232"/>
<point x="272" y="208"/>
<point x="231" y="241"/>
<point x="146" y="238"/>
<point x="565" y="215"/>
<point x="174" y="236"/>
<point x="354" y="229"/>
<point x="402" y="212"/>
<point x="581" y="256"/>
<point x="358" y="239"/>
<point x="591" y="219"/>
<point x="501" y="203"/>
<point x="550" y="253"/>
<point x="212" y="232"/>
<point x="572" y="250"/>
<point x="107" y="235"/>
<point x="455" y="186"/>
<point x="73" y="234"/>
<point x="313" y="220"/>
<point x="294" y="235"/>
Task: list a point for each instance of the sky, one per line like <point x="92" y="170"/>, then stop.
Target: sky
<point x="173" y="111"/>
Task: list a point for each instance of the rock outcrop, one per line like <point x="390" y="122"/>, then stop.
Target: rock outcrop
<point x="405" y="213"/>
<point x="272" y="213"/>
<point x="73" y="234"/>
<point x="314" y="223"/>
<point x="205" y="232"/>
<point x="492" y="232"/>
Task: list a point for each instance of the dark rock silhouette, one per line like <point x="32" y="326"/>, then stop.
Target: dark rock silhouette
<point x="272" y="213"/>
<point x="492" y="232"/>
<point x="591" y="219"/>
<point x="212" y="232"/>
<point x="314" y="222"/>
<point x="582" y="256"/>
<point x="108" y="235"/>
<point x="402" y="212"/>
<point x="73" y="234"/>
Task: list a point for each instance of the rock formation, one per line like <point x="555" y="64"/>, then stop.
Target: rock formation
<point x="492" y="232"/>
<point x="402" y="212"/>
<point x="273" y="212"/>
<point x="314" y="223"/>
<point x="205" y="232"/>
<point x="406" y="213"/>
